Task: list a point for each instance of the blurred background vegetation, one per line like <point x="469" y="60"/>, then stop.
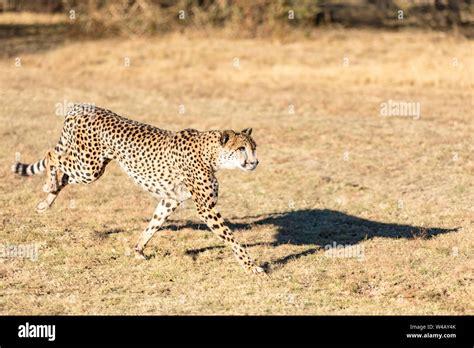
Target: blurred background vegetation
<point x="243" y="18"/>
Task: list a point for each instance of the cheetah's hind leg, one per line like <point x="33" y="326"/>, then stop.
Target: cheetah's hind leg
<point x="51" y="185"/>
<point x="48" y="202"/>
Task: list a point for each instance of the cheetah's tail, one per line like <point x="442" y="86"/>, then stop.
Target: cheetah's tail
<point x="23" y="169"/>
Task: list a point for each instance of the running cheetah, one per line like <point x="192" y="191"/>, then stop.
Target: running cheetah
<point x="173" y="166"/>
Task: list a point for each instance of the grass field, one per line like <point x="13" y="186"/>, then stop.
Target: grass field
<point x="396" y="191"/>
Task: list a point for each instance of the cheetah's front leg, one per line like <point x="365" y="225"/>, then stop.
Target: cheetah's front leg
<point x="216" y="223"/>
<point x="163" y="210"/>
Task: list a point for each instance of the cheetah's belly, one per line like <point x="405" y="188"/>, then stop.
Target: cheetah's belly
<point x="180" y="192"/>
<point x="169" y="187"/>
<point x="176" y="191"/>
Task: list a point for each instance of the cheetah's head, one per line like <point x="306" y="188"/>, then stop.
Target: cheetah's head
<point x="238" y="150"/>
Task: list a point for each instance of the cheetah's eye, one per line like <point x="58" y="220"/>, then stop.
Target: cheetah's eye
<point x="241" y="148"/>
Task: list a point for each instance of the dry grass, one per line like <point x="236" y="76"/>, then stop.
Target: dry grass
<point x="406" y="184"/>
<point x="32" y="18"/>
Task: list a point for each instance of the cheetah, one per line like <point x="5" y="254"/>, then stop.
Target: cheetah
<point x="173" y="166"/>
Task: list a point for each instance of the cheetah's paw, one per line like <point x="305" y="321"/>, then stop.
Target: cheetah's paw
<point x="139" y="255"/>
<point x="42" y="207"/>
<point x="258" y="270"/>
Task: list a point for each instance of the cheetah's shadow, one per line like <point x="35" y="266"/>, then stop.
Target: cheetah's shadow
<point x="317" y="229"/>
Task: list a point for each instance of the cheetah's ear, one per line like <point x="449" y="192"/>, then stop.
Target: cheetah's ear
<point x="225" y="136"/>
<point x="247" y="131"/>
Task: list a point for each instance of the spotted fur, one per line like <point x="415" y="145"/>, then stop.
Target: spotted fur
<point x="173" y="166"/>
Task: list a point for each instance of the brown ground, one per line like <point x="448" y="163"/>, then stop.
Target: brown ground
<point x="399" y="189"/>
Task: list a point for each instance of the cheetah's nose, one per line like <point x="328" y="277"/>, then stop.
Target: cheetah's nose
<point x="254" y="163"/>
